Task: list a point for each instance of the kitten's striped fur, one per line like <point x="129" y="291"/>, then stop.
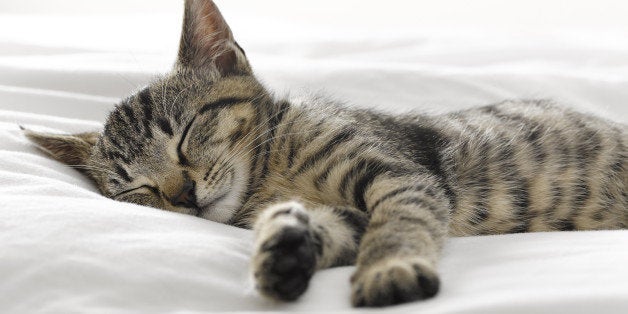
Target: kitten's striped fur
<point x="326" y="185"/>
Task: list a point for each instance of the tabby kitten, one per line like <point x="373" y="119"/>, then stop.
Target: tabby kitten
<point x="324" y="185"/>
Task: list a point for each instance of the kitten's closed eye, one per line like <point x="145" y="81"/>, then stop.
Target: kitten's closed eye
<point x="142" y="188"/>
<point x="180" y="155"/>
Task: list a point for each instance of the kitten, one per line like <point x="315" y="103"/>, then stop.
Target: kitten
<point x="323" y="185"/>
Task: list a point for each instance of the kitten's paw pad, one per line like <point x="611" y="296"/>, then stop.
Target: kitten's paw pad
<point x="285" y="257"/>
<point x="285" y="263"/>
<point x="394" y="281"/>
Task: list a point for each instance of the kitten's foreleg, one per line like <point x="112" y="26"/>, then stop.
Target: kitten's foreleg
<point x="399" y="250"/>
<point x="292" y="241"/>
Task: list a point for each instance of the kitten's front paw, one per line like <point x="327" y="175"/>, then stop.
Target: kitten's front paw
<point x="285" y="259"/>
<point x="393" y="281"/>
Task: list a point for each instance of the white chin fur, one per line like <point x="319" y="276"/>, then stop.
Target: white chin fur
<point x="225" y="209"/>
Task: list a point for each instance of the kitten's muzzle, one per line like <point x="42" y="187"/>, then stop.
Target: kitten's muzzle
<point x="186" y="197"/>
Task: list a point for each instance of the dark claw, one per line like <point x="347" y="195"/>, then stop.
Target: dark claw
<point x="429" y="286"/>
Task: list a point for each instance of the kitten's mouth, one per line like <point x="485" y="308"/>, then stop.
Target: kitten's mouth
<point x="202" y="210"/>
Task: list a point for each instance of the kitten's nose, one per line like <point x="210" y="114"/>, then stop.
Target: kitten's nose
<point x="186" y="197"/>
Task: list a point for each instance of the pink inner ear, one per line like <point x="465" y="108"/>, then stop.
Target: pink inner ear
<point x="208" y="37"/>
<point x="209" y="28"/>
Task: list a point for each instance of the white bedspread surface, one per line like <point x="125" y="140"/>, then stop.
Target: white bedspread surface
<point x="66" y="249"/>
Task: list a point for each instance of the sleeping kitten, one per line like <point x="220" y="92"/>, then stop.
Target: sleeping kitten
<point x="324" y="185"/>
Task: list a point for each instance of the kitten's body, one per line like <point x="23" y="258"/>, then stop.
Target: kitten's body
<point x="517" y="166"/>
<point x="324" y="185"/>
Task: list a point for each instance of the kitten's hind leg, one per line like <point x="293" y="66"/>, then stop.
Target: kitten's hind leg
<point x="292" y="241"/>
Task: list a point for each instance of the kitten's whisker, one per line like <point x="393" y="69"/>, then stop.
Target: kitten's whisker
<point x="219" y="160"/>
<point x="268" y="140"/>
<point x="284" y="135"/>
<point x="274" y="138"/>
<point x="174" y="100"/>
<point x="261" y="125"/>
<point x="105" y="167"/>
<point x="363" y="153"/>
<point x="92" y="168"/>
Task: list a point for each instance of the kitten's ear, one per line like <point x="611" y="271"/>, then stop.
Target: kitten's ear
<point x="207" y="41"/>
<point x="73" y="150"/>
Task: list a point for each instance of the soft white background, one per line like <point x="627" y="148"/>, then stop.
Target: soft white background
<point x="63" y="64"/>
<point x="358" y="50"/>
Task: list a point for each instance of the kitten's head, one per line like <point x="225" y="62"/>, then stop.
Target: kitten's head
<point x="186" y="142"/>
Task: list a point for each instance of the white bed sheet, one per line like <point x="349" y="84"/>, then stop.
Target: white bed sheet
<point x="64" y="248"/>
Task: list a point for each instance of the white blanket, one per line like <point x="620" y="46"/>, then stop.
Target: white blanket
<point x="65" y="248"/>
